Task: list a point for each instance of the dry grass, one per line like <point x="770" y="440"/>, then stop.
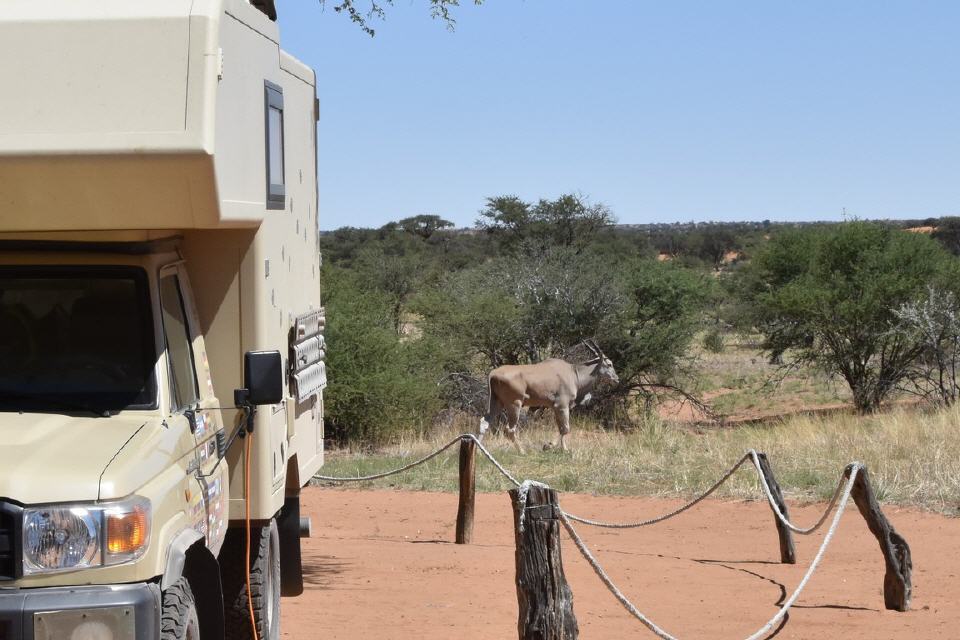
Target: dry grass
<point x="913" y="458"/>
<point x="740" y="383"/>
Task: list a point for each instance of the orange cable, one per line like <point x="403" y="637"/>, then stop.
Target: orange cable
<point x="246" y="482"/>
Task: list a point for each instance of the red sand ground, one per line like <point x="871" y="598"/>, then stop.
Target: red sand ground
<point x="381" y="565"/>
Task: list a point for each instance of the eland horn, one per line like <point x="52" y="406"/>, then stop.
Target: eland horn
<point x="593" y="347"/>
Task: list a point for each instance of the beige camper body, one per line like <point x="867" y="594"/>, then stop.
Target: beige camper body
<point x="172" y="139"/>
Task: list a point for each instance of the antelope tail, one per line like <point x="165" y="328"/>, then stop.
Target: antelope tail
<point x="492" y="405"/>
<point x="491" y="399"/>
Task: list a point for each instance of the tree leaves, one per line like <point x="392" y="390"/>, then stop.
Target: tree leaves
<point x="375" y="10"/>
<point x="829" y="296"/>
<point x="569" y="221"/>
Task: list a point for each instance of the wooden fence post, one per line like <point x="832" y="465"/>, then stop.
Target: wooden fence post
<point x="788" y="554"/>
<point x="897" y="585"/>
<point x="545" y="599"/>
<point x="468" y="486"/>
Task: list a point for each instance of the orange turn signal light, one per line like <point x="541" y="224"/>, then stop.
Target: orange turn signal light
<point x="126" y="532"/>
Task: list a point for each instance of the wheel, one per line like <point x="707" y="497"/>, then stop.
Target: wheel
<point x="264" y="566"/>
<point x="178" y="618"/>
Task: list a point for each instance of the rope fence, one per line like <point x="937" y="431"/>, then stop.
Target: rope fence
<point x="776" y="508"/>
<point x="662" y="518"/>
<point x="543" y="553"/>
<point x="770" y="624"/>
<point x="750" y="455"/>
<point x="425" y="459"/>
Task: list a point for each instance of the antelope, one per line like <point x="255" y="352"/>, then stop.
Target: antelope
<point x="553" y="383"/>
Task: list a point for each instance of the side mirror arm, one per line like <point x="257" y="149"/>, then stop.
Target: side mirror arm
<point x="241" y="399"/>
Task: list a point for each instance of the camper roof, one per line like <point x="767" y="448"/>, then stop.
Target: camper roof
<point x="113" y="115"/>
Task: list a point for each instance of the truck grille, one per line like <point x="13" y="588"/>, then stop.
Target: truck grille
<point x="10" y="542"/>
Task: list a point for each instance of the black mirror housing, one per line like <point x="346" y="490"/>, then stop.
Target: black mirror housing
<point x="263" y="377"/>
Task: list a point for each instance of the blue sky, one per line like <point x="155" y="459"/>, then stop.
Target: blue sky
<point x="665" y="111"/>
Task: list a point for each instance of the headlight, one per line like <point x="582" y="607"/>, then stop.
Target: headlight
<point x="75" y="536"/>
<point x="60" y="538"/>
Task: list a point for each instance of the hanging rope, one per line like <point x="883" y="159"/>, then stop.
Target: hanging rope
<point x="423" y="460"/>
<point x="666" y="516"/>
<point x="750" y="455"/>
<point x="776" y="508"/>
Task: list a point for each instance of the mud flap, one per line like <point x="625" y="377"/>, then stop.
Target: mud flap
<point x="291" y="567"/>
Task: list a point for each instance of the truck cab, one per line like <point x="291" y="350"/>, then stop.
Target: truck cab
<point x="161" y="328"/>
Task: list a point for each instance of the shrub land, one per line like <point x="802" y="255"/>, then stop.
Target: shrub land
<point x="708" y="324"/>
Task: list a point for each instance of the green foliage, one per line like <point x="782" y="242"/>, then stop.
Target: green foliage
<point x="713" y="245"/>
<point x="424" y="225"/>
<point x="525" y="307"/>
<point x="568" y="221"/>
<point x="340" y="247"/>
<point x="396" y="268"/>
<point x="829" y="295"/>
<point x="666" y="304"/>
<point x="379" y="386"/>
<point x="473" y="314"/>
<point x="708" y="243"/>
<point x="947" y="232"/>
<point x="509" y="218"/>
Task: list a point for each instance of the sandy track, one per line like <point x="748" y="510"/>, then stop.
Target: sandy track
<point x="380" y="565"/>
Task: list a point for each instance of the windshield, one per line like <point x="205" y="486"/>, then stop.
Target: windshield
<point x="75" y="337"/>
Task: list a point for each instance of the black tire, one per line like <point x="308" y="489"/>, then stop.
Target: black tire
<point x="178" y="618"/>
<point x="264" y="566"/>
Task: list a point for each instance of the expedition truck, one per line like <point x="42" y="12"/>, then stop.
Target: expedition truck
<point x="161" y="349"/>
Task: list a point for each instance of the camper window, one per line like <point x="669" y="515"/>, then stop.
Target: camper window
<point x="275" y="165"/>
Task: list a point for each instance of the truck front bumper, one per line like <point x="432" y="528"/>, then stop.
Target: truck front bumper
<point x="115" y="612"/>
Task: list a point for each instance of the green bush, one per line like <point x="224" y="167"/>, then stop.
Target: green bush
<point x="662" y="313"/>
<point x="378" y="385"/>
<point x="525" y="307"/>
<point x="828" y="296"/>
